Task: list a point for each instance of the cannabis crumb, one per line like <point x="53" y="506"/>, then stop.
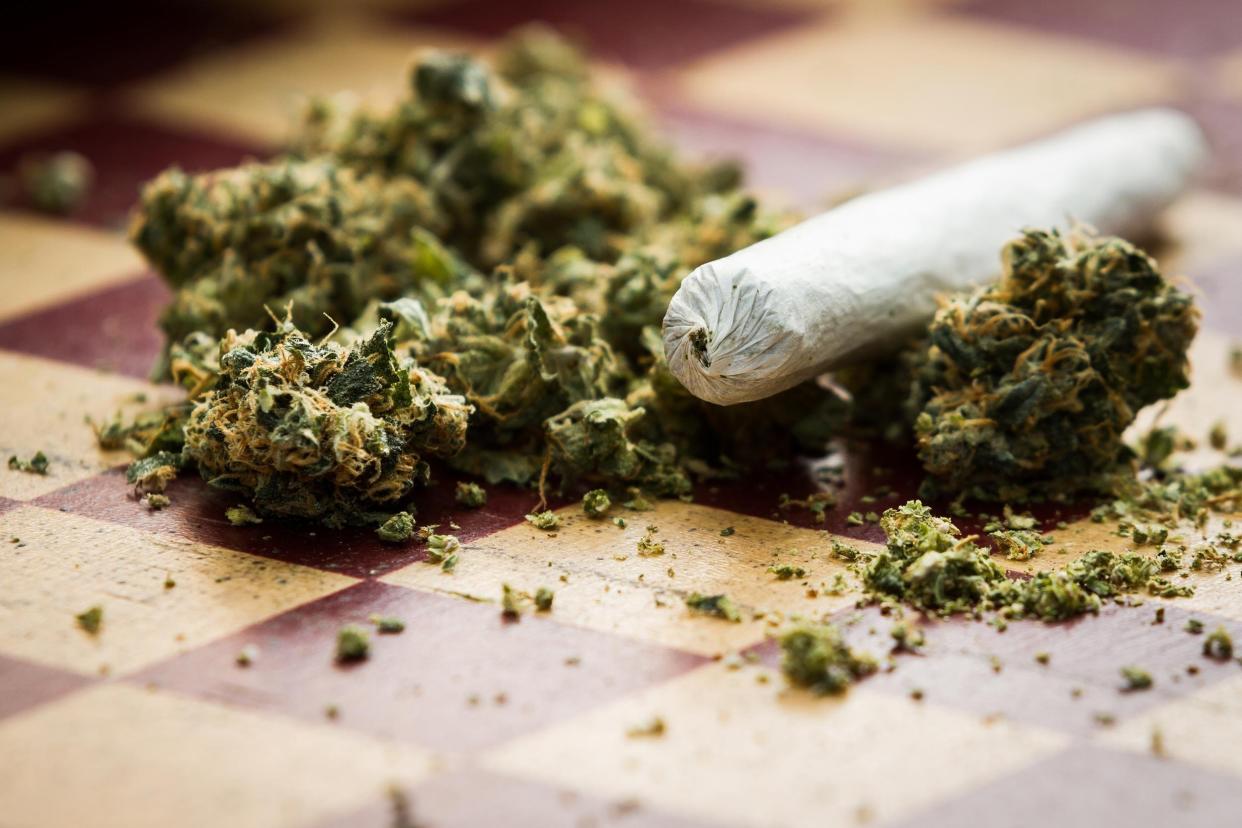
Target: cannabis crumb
<point x="785" y="572"/>
<point x="816" y="656"/>
<point x="543" y="599"/>
<point x="546" y="520"/>
<point x="397" y="529"/>
<point x="443" y="550"/>
<point x="155" y="501"/>
<point x="470" y="495"/>
<point x="247" y="655"/>
<point x="1218" y="645"/>
<point x="37" y="464"/>
<point x="387" y="624"/>
<point x="1135" y="678"/>
<point x="352" y="644"/>
<point x="717" y="606"/>
<point x="648" y="545"/>
<point x="596" y="503"/>
<point x="242" y="516"/>
<point x="727" y="532"/>
<point x="90" y="619"/>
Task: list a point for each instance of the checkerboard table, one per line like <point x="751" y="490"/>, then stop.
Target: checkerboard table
<point x="466" y="718"/>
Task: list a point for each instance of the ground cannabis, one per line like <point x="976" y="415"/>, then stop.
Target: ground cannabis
<point x="397" y="529"/>
<point x="928" y="565"/>
<point x="648" y="545"/>
<point x="785" y="572"/>
<point x="91" y="619"/>
<point x="242" y="516"/>
<point x="37" y="464"/>
<point x="718" y="606"/>
<point x="817" y="657"/>
<point x="352" y="644"/>
<point x="1025" y="386"/>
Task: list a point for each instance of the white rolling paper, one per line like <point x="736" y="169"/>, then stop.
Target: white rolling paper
<point x="860" y="277"/>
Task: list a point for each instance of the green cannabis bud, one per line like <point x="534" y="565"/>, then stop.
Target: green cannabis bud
<point x="1026" y="386"/>
<point x="543" y="599"/>
<point x="816" y="657"/>
<point x="443" y="550"/>
<point x="319" y="431"/>
<point x="547" y="521"/>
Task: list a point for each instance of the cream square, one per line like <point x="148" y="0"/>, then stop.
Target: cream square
<point x="935" y="83"/>
<point x="49" y="260"/>
<point x="122" y="756"/>
<point x="608" y="585"/>
<point x="46" y="407"/>
<point x="744" y="752"/>
<point x="66" y="563"/>
<point x="1204" y="729"/>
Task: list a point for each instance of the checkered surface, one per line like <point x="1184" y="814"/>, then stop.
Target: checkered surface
<point x="466" y="719"/>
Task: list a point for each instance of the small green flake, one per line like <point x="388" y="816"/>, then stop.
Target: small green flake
<point x="90" y="619"/>
<point x="785" y="572"/>
<point x="543" y="599"/>
<point x="35" y="465"/>
<point x="596" y="503"/>
<point x="470" y="495"/>
<point x="1043" y="658"/>
<point x="727" y="532"/>
<point x="1218" y="645"/>
<point x="169" y="583"/>
<point x="1136" y="678"/>
<point x="854" y="519"/>
<point x="352" y="644"/>
<point x="242" y="516"/>
<point x="546" y="520"/>
<point x="387" y="624"/>
<point x="905" y="638"/>
<point x="718" y="606"/>
<point x="247" y="655"/>
<point x="619" y="522"/>
<point x="397" y="529"/>
<point x="1218" y="438"/>
<point x="1193" y="626"/>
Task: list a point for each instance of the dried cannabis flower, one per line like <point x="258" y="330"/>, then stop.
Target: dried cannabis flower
<point x="815" y="656"/>
<point x="397" y="529"/>
<point x="320" y="431"/>
<point x="546" y="520"/>
<point x="543" y="599"/>
<point x="1026" y="386"/>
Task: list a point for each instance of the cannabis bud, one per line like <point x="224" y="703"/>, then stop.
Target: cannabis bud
<point x="1026" y="386"/>
<point x="319" y="431"/>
